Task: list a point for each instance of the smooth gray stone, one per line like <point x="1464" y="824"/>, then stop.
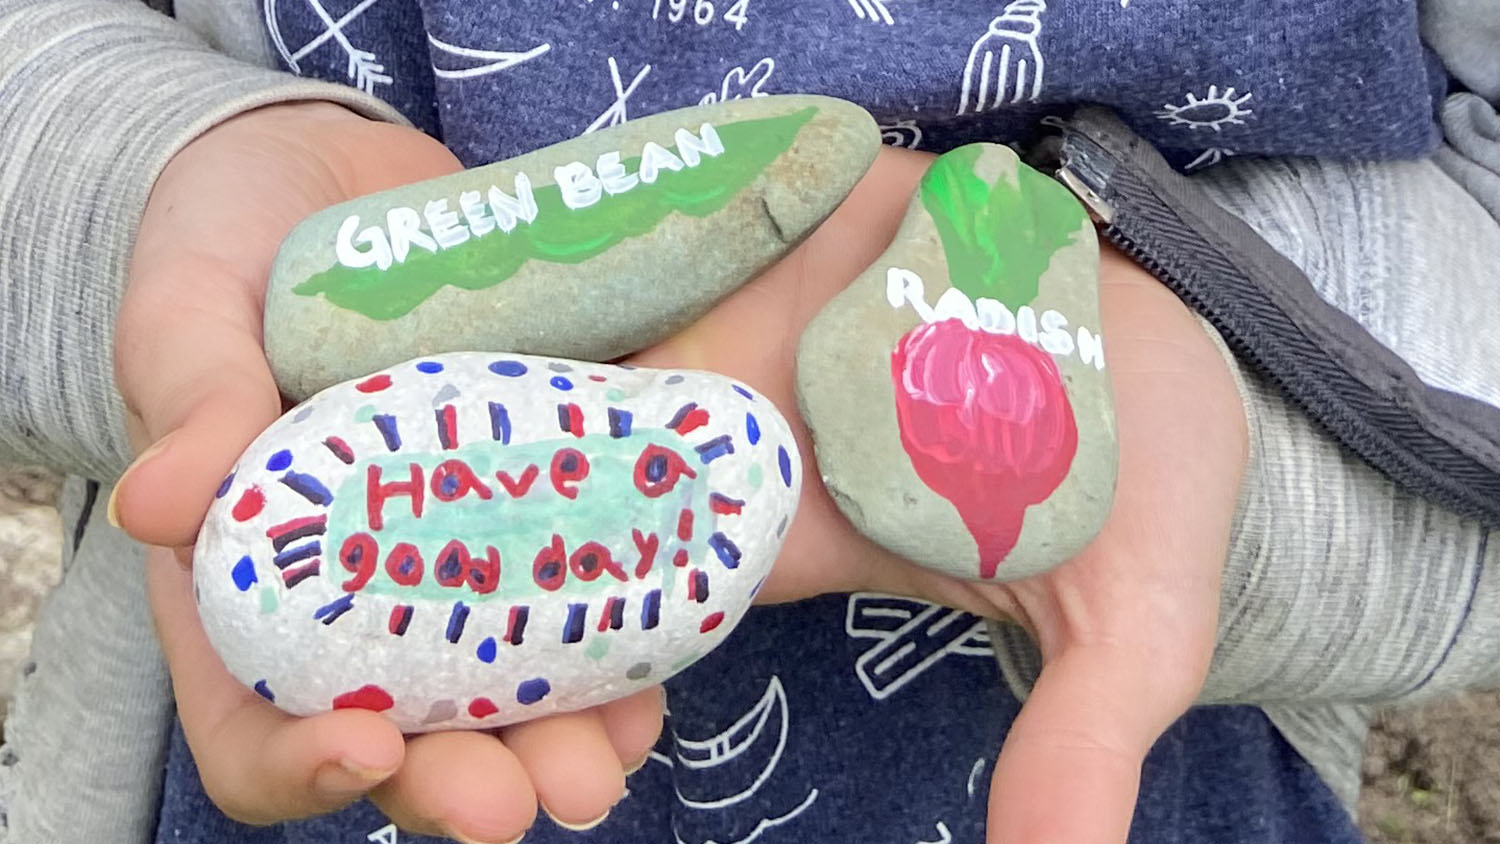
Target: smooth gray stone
<point x="965" y="377"/>
<point x="593" y="282"/>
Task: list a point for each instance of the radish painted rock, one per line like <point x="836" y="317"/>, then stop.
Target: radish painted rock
<point x="957" y="390"/>
<point x="471" y="540"/>
<point x="589" y="249"/>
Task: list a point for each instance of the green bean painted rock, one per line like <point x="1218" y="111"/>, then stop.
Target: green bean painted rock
<point x="588" y="249"/>
<point x="957" y="391"/>
<point x="470" y="540"/>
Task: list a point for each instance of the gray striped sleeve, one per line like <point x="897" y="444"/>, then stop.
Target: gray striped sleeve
<point x="95" y="97"/>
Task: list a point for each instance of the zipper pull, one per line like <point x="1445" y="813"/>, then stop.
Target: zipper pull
<point x="1099" y="210"/>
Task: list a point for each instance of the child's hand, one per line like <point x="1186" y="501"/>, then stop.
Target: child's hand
<point x="1127" y="628"/>
<point x="190" y="366"/>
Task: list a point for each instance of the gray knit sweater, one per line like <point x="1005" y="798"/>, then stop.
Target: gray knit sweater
<point x="1341" y="589"/>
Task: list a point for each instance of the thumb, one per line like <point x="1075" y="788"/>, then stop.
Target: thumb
<point x="1071" y="765"/>
<point x="201" y="393"/>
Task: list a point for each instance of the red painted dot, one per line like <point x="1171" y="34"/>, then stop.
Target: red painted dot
<point x="370" y="697"/>
<point x="599" y="378"/>
<point x="711" y="622"/>
<point x="373" y="384"/>
<point x="250" y="504"/>
<point x="482" y="707"/>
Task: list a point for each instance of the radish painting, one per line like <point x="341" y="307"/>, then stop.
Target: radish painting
<point x="985" y="417"/>
<point x="956" y="391"/>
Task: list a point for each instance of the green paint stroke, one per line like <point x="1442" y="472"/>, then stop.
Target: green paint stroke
<point x="562" y="235"/>
<point x="998" y="238"/>
<point x="606" y="510"/>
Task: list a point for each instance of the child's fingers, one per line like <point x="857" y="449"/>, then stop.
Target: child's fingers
<point x="1071" y="765"/>
<point x="463" y="785"/>
<point x="633" y="725"/>
<point x="192" y="371"/>
<point x="258" y="764"/>
<point x="577" y="775"/>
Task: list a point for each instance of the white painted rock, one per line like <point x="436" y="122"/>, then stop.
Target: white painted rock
<point x="472" y="540"/>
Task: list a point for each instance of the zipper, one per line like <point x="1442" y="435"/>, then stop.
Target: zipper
<point x="1261" y="307"/>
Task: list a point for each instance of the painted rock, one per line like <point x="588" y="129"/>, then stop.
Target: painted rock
<point x="956" y="391"/>
<point x="470" y="540"/>
<point x="589" y="249"/>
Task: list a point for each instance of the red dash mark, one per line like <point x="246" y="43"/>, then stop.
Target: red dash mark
<point x="374" y="384"/>
<point x="599" y="378"/>
<point x="400" y="619"/>
<point x="482" y="707"/>
<point x="724" y="505"/>
<point x="685" y="525"/>
<point x="370" y="697"/>
<point x="340" y="449"/>
<point x="692" y="421"/>
<point x="711" y="622"/>
<point x="986" y="421"/>
<point x="251" y="502"/>
<point x="680" y="559"/>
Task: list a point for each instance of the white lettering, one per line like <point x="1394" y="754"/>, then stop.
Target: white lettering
<point x="405" y="226"/>
<point x="384" y="835"/>
<point x="1055" y="336"/>
<point x="1090" y="348"/>
<point x="472" y="206"/>
<point x="378" y="253"/>
<point x="510" y="209"/>
<point x="905" y="287"/>
<point x="613" y="176"/>
<point x="580" y="187"/>
<point x="994" y="317"/>
<point x="655" y="158"/>
<point x="444" y="224"/>
<point x="953" y="304"/>
<point x="692" y="148"/>
<point x="1026" y="324"/>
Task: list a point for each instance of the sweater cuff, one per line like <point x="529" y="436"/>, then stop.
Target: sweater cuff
<point x="96" y="96"/>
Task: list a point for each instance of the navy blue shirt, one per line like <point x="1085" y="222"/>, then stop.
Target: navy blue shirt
<point x="866" y="718"/>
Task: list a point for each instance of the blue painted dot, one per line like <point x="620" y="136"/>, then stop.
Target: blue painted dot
<point x="280" y="460"/>
<point x="562" y="383"/>
<point x="508" y="368"/>
<point x="752" y="429"/>
<point x="785" y="460"/>
<point x="486" y="650"/>
<point x="533" y="690"/>
<point x="264" y="690"/>
<point x="244" y="573"/>
<point x="429" y="367"/>
<point x="224" y="487"/>
<point x="744" y="392"/>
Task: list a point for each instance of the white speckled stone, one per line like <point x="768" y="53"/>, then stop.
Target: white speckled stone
<point x="297" y="612"/>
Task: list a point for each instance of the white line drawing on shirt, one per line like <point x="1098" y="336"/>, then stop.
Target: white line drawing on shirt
<point x="495" y="60"/>
<point x="1209" y="157"/>
<point x="765" y="824"/>
<point x="944" y="836"/>
<point x="903" y="133"/>
<point x="740" y="83"/>
<point x="911" y="635"/>
<point x="734" y="741"/>
<point x="974" y="773"/>
<point x="874" y="11"/>
<point x="363" y="69"/>
<point x="385" y="835"/>
<point x="616" y="113"/>
<point x="1214" y="111"/>
<point x="1006" y="63"/>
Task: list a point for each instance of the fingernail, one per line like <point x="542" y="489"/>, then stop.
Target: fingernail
<point x="346" y="778"/>
<point x="580" y="827"/>
<point x="464" y="839"/>
<point x="112" y="509"/>
<point x="638" y="765"/>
